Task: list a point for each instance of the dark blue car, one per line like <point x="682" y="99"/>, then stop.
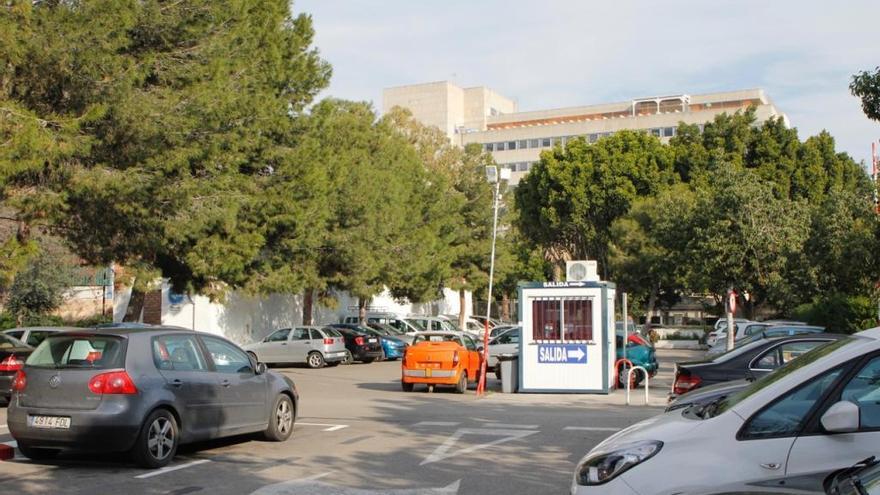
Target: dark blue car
<point x="392" y="347"/>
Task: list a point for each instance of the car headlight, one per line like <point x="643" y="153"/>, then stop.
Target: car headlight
<point x="606" y="466"/>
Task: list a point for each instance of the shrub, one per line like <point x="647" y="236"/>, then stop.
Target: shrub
<point x="840" y="313"/>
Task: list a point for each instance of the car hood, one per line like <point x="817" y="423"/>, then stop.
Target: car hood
<point x="665" y="427"/>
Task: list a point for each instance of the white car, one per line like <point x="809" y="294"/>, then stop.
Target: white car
<point x="506" y="343"/>
<point x="720" y="332"/>
<point x="792" y="428"/>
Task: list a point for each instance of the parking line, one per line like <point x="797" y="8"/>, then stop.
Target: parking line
<point x="329" y="426"/>
<point x="505" y="425"/>
<point x="171" y="468"/>
<point x="591" y="428"/>
<point x="436" y="423"/>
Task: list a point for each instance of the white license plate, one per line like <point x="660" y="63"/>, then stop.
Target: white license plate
<point x="371" y="340"/>
<point x="59" y="422"/>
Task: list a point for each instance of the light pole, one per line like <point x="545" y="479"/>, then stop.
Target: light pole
<point x="493" y="175"/>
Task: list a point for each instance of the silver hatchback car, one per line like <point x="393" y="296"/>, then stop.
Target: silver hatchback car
<point x="144" y="391"/>
<point x="314" y="346"/>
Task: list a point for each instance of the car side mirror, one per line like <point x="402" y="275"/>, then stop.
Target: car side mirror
<point x="842" y="417"/>
<point x="261" y="368"/>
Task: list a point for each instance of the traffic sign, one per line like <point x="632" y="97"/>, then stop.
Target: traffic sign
<point x="562" y="353"/>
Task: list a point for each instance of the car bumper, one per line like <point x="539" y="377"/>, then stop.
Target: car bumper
<point x="6" y="384"/>
<point x="393" y="353"/>
<point x="334" y="357"/>
<point x="617" y="486"/>
<point x="109" y="428"/>
<point x="362" y="354"/>
<point x="430" y="376"/>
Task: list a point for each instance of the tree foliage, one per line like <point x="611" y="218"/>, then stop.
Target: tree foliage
<point x="866" y="86"/>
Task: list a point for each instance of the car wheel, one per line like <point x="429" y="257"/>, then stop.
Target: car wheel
<point x="37" y="454"/>
<point x="462" y="383"/>
<point x="622" y="375"/>
<point x="315" y="360"/>
<point x="157" y="442"/>
<point x="282" y="419"/>
<point x="367" y="360"/>
<point x="348" y="357"/>
<point x="498" y="372"/>
<point x="407" y="387"/>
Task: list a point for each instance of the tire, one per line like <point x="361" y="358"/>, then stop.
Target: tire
<point x="462" y="383"/>
<point x="37" y="454"/>
<point x="160" y="430"/>
<point x="498" y="372"/>
<point x="621" y="378"/>
<point x="367" y="360"/>
<point x="407" y="387"/>
<point x="348" y="357"/>
<point x="315" y="360"/>
<point x="381" y="357"/>
<point x="281" y="420"/>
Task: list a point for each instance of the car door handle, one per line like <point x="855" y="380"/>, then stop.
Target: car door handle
<point x="225" y="383"/>
<point x="773" y="466"/>
<point x="176" y="382"/>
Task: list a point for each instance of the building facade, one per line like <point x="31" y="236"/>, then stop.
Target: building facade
<point x="516" y="139"/>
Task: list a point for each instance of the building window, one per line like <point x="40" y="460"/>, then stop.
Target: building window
<point x="545" y="143"/>
<point x="578" y="317"/>
<point x="556" y="141"/>
<point x="655" y="132"/>
<point x="499" y="146"/>
<point x="511" y="145"/>
<point x="545" y="320"/>
<point x="522" y="144"/>
<point x="594" y="138"/>
<point x="529" y="165"/>
<point x="534" y="143"/>
<point x="668" y="131"/>
<point x="490" y="147"/>
<point x="522" y="167"/>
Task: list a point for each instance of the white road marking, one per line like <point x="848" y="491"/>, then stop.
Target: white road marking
<point x="308" y="486"/>
<point x="169" y="469"/>
<point x="436" y="423"/>
<point x="505" y="425"/>
<point x="443" y="450"/>
<point x="591" y="428"/>
<point x="330" y="427"/>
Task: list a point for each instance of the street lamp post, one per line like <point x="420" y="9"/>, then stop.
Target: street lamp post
<point x="493" y="175"/>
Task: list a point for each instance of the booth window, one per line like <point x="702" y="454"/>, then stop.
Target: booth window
<point x="578" y="316"/>
<point x="545" y="320"/>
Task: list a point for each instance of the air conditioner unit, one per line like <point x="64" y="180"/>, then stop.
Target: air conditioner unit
<point x="581" y="271"/>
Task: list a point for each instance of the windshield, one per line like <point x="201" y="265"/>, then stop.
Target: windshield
<point x="436" y="337"/>
<point x="79" y="351"/>
<point x="783" y="371"/>
<point x="416" y="323"/>
<point x="8" y="342"/>
<point x="331" y="332"/>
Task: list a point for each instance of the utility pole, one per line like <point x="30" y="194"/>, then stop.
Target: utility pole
<point x="625" y="324"/>
<point x="730" y="304"/>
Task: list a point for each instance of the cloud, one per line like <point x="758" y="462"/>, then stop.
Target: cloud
<point x="552" y="54"/>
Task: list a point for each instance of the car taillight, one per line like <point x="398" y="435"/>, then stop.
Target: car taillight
<point x="455" y="358"/>
<point x="11" y="363"/>
<point x="328" y="341"/>
<point x="684" y="383"/>
<point x="359" y="340"/>
<point x="19" y="381"/>
<point x="113" y="382"/>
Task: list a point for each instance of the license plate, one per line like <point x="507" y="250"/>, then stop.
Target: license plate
<point x="428" y="372"/>
<point x="371" y="340"/>
<point x="59" y="422"/>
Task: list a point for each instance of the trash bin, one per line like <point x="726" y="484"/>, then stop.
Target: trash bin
<point x="509" y="372"/>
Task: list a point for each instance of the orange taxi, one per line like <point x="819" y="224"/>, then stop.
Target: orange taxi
<point x="440" y="358"/>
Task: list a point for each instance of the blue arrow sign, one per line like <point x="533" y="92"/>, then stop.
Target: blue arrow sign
<point x="562" y="353"/>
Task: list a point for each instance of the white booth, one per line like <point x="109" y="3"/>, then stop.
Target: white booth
<point x="567" y="343"/>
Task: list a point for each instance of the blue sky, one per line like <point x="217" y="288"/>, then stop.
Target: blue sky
<point x="557" y="53"/>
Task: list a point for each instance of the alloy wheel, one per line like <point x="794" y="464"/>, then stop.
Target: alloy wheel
<point x="160" y="440"/>
<point x="283" y="417"/>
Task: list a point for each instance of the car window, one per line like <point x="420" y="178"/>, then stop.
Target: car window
<point x="864" y="390"/>
<point x="469" y="343"/>
<point x="35" y="337"/>
<point x="332" y="332"/>
<point x="786" y="416"/>
<point x="178" y="353"/>
<point x="8" y="341"/>
<point x="16" y="335"/>
<point x="226" y="357"/>
<point x="79" y="351"/>
<point x="279" y="336"/>
<point x="784" y="353"/>
<point x="300" y="334"/>
<point x="315" y="334"/>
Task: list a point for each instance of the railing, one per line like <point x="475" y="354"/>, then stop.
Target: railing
<point x="629" y="382"/>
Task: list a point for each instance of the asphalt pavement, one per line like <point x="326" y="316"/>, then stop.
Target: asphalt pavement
<point x="359" y="434"/>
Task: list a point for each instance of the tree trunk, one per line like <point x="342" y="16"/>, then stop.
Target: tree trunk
<point x="308" y="299"/>
<point x="558" y="272"/>
<point x="649" y="310"/>
<point x="461" y="309"/>
<point x="362" y="311"/>
<point x="505" y="307"/>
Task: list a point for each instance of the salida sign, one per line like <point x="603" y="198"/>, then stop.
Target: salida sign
<point x="562" y="353"/>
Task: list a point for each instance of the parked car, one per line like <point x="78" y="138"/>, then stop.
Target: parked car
<point x="639" y="352"/>
<point x="720" y="332"/>
<point x="32" y="336"/>
<point x="482" y="320"/>
<point x="499" y="329"/>
<point x="433" y="323"/>
<point x="441" y="358"/>
<point x="143" y="391"/>
<point x="314" y="346"/>
<point x="385" y="318"/>
<point x="753" y="360"/>
<point x="392" y="347"/>
<point x="359" y="344"/>
<point x="386" y="329"/>
<point x="703" y="396"/>
<point x="720" y="347"/>
<point x="861" y="479"/>
<point x="13" y="353"/>
<point x="792" y="428"/>
<point x="506" y="343"/>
